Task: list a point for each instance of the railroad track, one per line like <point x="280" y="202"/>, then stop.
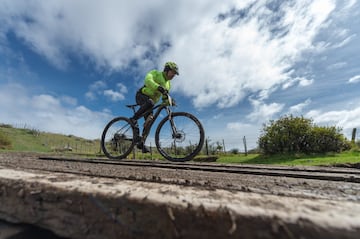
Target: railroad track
<point x="317" y="173"/>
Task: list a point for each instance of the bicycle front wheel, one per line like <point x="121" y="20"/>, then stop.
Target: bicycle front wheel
<point x="180" y="137"/>
<point x="117" y="140"/>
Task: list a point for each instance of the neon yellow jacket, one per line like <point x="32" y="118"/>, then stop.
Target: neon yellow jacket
<point x="153" y="80"/>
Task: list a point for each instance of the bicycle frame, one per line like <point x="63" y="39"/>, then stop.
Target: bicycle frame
<point x="158" y="108"/>
<point x="179" y="136"/>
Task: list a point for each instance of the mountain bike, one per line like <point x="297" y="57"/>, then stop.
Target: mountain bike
<point x="179" y="136"/>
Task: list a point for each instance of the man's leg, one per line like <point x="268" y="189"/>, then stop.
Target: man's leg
<point x="145" y="104"/>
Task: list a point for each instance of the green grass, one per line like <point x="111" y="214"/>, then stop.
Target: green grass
<point x="29" y="140"/>
<point x="349" y="157"/>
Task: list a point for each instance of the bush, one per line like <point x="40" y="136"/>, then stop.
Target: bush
<point x="5" y="142"/>
<point x="234" y="151"/>
<point x="6" y="126"/>
<point x="328" y="139"/>
<point x="357" y="143"/>
<point x="299" y="135"/>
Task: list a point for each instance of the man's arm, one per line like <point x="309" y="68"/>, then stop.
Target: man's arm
<point x="150" y="81"/>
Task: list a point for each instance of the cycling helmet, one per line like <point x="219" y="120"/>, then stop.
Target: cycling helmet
<point x="171" y="66"/>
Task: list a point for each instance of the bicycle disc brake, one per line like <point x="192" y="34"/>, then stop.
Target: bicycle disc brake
<point x="179" y="136"/>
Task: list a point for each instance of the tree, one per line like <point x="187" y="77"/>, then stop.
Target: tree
<point x="292" y="134"/>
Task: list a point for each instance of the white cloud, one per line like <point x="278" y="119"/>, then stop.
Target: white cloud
<point x="230" y="63"/>
<point x="45" y="102"/>
<point x="300" y="80"/>
<point x="69" y="100"/>
<point x="122" y="88"/>
<point x="116" y="95"/>
<point x="354" y="79"/>
<point x="297" y="109"/>
<point x="263" y="112"/>
<point x="347" y="119"/>
<point x="345" y="41"/>
<point x="90" y="95"/>
<point x="113" y="95"/>
<point x="223" y="56"/>
<point x="99" y="88"/>
<point x="237" y="126"/>
<point x="97" y="85"/>
<point x="305" y="82"/>
<point x="228" y="51"/>
<point x="48" y="113"/>
<point x="95" y="89"/>
<point x="236" y="132"/>
<point x="337" y="66"/>
<point x="107" y="32"/>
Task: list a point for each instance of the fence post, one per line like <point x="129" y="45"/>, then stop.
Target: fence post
<point x="207" y="147"/>
<point x="244" y="140"/>
<point x="151" y="152"/>
<point x="224" y="146"/>
<point x="353" y="135"/>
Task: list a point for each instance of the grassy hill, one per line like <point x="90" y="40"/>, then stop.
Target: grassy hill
<point x="32" y="140"/>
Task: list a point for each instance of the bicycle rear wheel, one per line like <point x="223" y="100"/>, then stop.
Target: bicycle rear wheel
<point x="117" y="140"/>
<point x="180" y="137"/>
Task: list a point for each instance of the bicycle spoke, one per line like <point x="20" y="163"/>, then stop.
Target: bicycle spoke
<point x="117" y="138"/>
<point x="181" y="142"/>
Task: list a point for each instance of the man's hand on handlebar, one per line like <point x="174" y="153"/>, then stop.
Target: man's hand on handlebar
<point x="167" y="103"/>
<point x="162" y="90"/>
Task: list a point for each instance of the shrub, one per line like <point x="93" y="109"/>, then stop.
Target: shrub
<point x="5" y="142"/>
<point x="328" y="139"/>
<point x="299" y="135"/>
<point x="6" y="126"/>
<point x="234" y="151"/>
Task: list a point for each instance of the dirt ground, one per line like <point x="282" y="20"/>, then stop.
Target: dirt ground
<point x="251" y="206"/>
<point x="285" y="186"/>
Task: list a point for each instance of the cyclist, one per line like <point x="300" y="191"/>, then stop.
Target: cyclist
<point x="156" y="84"/>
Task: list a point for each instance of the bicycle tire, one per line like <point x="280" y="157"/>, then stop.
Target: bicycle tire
<point x="188" y="141"/>
<point x="117" y="139"/>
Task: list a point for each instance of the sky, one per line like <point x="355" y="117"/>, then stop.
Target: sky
<point x="70" y="66"/>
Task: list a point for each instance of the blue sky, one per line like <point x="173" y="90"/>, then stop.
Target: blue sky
<point x="70" y="66"/>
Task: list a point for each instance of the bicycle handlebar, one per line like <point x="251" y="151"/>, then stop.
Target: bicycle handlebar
<point x="170" y="100"/>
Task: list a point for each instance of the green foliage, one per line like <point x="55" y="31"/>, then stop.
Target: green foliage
<point x="328" y="139"/>
<point x="32" y="140"/>
<point x="330" y="159"/>
<point x="234" y="151"/>
<point x="357" y="143"/>
<point x="5" y="126"/>
<point x="5" y="142"/>
<point x="291" y="135"/>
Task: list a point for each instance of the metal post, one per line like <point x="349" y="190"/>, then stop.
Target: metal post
<point x="244" y="140"/>
<point x="224" y="145"/>
<point x="353" y="135"/>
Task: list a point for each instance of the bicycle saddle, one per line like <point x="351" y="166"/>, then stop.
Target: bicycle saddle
<point x="132" y="106"/>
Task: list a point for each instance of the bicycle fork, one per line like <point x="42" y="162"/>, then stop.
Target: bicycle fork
<point x="175" y="134"/>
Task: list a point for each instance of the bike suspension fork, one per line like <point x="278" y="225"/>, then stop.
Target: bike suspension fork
<point x="173" y="127"/>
